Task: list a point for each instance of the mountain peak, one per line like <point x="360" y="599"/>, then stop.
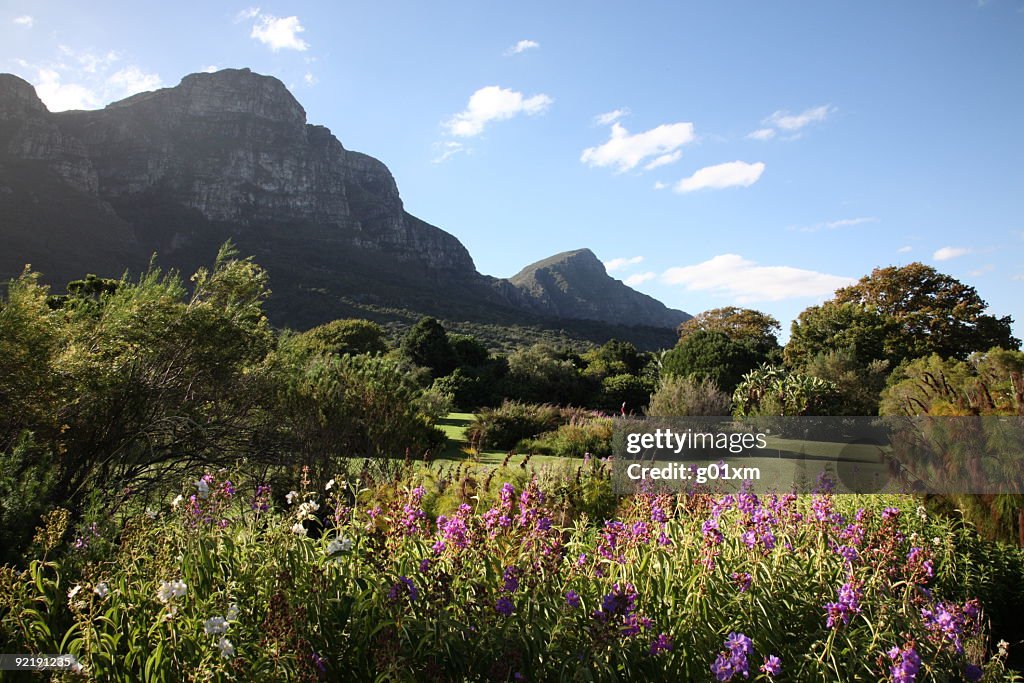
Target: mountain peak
<point x="18" y="97"/>
<point x="224" y="92"/>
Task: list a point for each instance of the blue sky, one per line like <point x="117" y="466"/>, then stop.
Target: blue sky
<point x="711" y="153"/>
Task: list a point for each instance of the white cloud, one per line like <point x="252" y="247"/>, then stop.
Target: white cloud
<point x="59" y="96"/>
<point x="947" y="253"/>
<point x="978" y="272"/>
<point x="310" y="79"/>
<point x="211" y="68"/>
<point x="522" y="46"/>
<point x="1019" y="277"/>
<point x="762" y="134"/>
<point x="247" y="13"/>
<point x="625" y="151"/>
<point x="639" y="278"/>
<point x="130" y="80"/>
<point x="279" y="33"/>
<point x="841" y="223"/>
<point x="493" y="103"/>
<point x="622" y="262"/>
<point x="746" y="282"/>
<point x="665" y="159"/>
<point x="905" y="250"/>
<point x="448" y="149"/>
<point x="658" y="185"/>
<point x="610" y="117"/>
<point x="24" y="20"/>
<point x="783" y="120"/>
<point x="721" y="176"/>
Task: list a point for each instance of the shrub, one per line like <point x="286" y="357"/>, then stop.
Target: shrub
<point x="574" y="440"/>
<point x="682" y="396"/>
<point x="503" y="427"/>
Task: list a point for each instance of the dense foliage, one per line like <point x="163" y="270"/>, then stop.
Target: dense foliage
<point x="441" y="580"/>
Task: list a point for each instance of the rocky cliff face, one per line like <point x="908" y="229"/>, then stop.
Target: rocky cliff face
<point x="229" y="155"/>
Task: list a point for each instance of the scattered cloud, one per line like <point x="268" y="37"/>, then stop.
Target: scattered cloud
<point x="745" y="281"/>
<point x="658" y="185"/>
<point x="610" y="117"/>
<point x="493" y="103"/>
<point x="522" y="46"/>
<point x="762" y="134"/>
<point x="24" y="20"/>
<point x="639" y="278"/>
<point x="278" y="33"/>
<point x="721" y="176"/>
<point x="978" y="272"/>
<point x="785" y="122"/>
<point x="625" y="151"/>
<point x="85" y="79"/>
<point x="835" y="225"/>
<point x="309" y="79"/>
<point x="60" y="96"/>
<point x="448" y="149"/>
<point x="129" y="81"/>
<point x="622" y="262"/>
<point x="247" y="13"/>
<point x="947" y="253"/>
<point x="1019" y="277"/>
<point x="211" y="68"/>
<point x="905" y="250"/>
<point x="664" y="160"/>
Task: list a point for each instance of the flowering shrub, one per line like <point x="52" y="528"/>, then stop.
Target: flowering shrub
<point x="344" y="583"/>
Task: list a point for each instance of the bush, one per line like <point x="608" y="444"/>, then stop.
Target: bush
<point x="684" y="397"/>
<point x="574" y="440"/>
<point x="503" y="427"/>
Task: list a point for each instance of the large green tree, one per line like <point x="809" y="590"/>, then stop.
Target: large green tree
<point x="426" y="344"/>
<point x="930" y="312"/>
<point x="707" y="354"/>
<point x="744" y="325"/>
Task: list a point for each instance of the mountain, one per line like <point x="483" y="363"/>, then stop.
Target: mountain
<point x="229" y="155"/>
<point x="575" y="284"/>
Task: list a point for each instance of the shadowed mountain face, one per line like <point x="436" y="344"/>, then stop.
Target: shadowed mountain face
<point x="229" y="155"/>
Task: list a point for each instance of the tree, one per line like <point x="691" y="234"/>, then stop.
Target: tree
<point x="426" y="344"/>
<point x="710" y="355"/>
<point x="544" y="374"/>
<point x="857" y="386"/>
<point x="615" y="357"/>
<point x="744" y="325"/>
<point x="351" y="336"/>
<point x="854" y="329"/>
<point x="931" y="313"/>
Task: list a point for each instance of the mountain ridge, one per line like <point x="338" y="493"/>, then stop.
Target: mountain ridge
<point x="230" y="155"/>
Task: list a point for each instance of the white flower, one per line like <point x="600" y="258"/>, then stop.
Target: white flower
<point x="227" y="650"/>
<point x="292" y="495"/>
<point x="171" y="589"/>
<point x="299" y="529"/>
<point x="937" y="541"/>
<point x="215" y="626"/>
<point x="329" y="485"/>
<point x="74" y="591"/>
<point x="151" y="513"/>
<point x="203" y="488"/>
<point x="233" y="612"/>
<point x="308" y="508"/>
<point x="922" y="513"/>
<point x="177" y="501"/>
<point x="101" y="589"/>
<point x="1003" y="647"/>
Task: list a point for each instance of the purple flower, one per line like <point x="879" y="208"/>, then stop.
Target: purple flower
<point x="658" y="515"/>
<point x="404" y="585"/>
<point x="906" y="664"/>
<point x="511" y="579"/>
<point x="663" y="643"/>
<point x="890" y="513"/>
<point x="504" y="607"/>
<point x="722" y="667"/>
<point x="772" y="666"/>
<point x="973" y="673"/>
<point x="742" y="581"/>
<point x="846" y="606"/>
<point x="572" y="599"/>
